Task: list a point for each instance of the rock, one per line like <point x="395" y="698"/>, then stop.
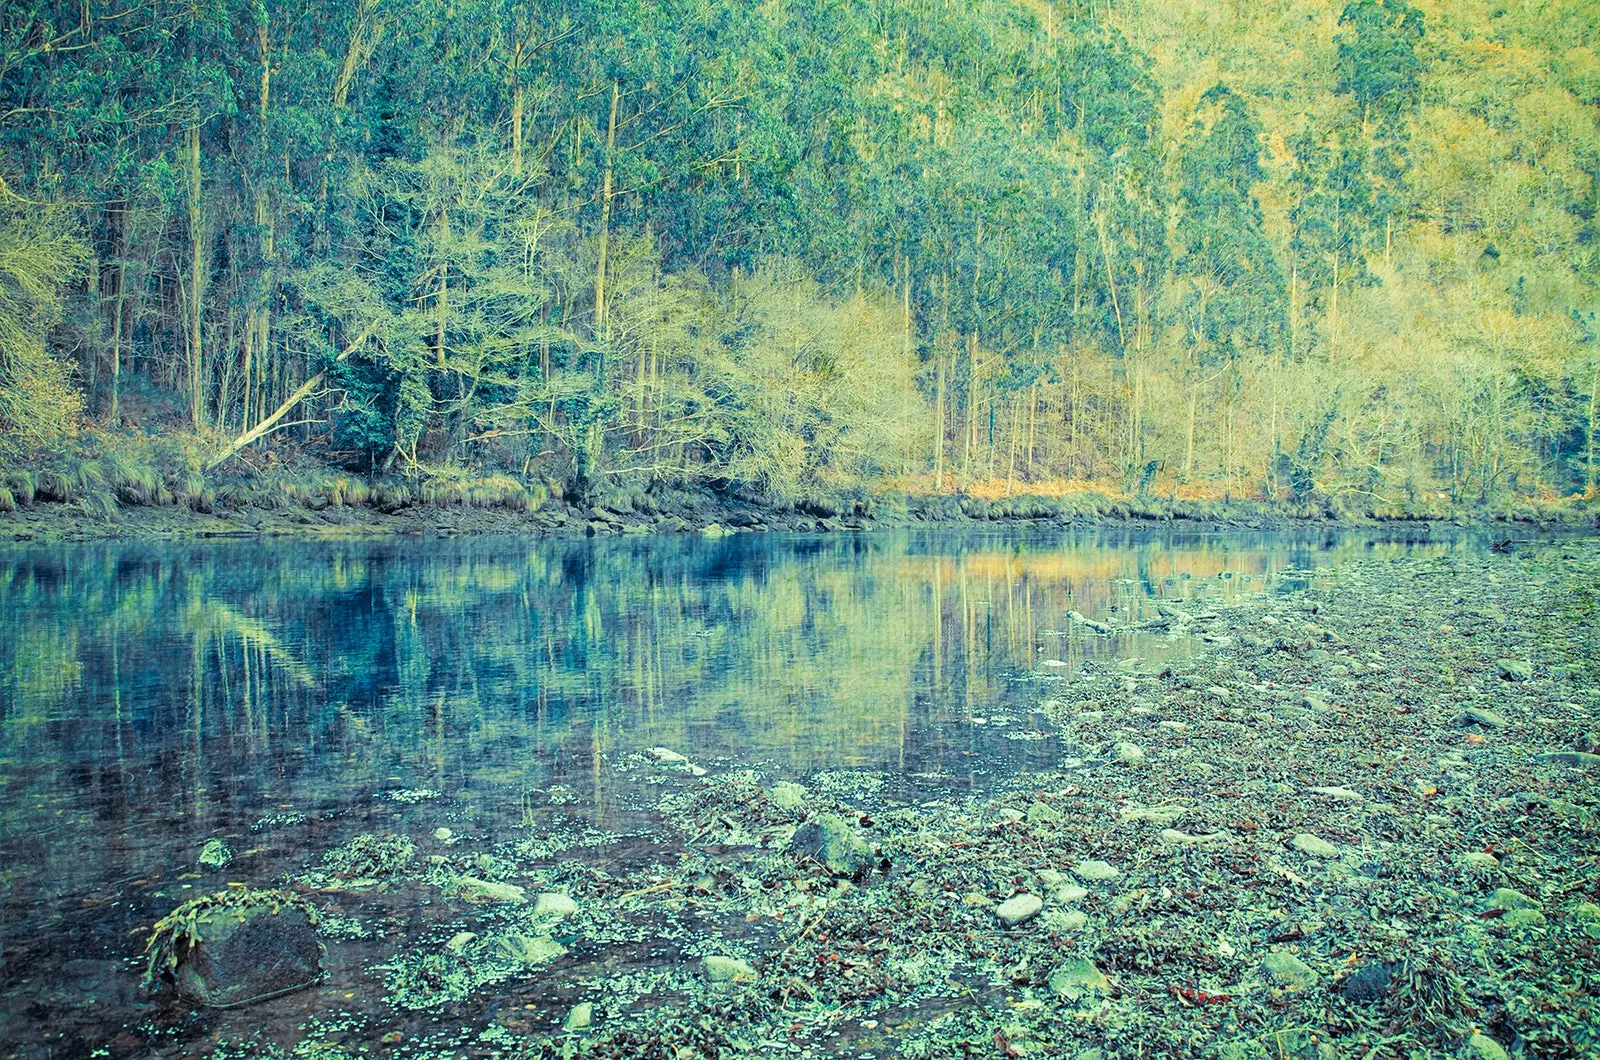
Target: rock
<point x="215" y="854"/>
<point x="1051" y="878"/>
<point x="1483" y="1047"/>
<point x="1477" y="716"/>
<point x="715" y="530"/>
<point x="1078" y="978"/>
<point x="727" y="970"/>
<point x="1068" y="920"/>
<point x="1479" y="859"/>
<point x="1009" y="815"/>
<point x="475" y="890"/>
<point x="1507" y="899"/>
<point x="1125" y="751"/>
<point x="1342" y="794"/>
<point x="787" y="795"/>
<point x="581" y="1018"/>
<point x="443" y="834"/>
<point x="1568" y="758"/>
<point x="1094" y="871"/>
<point x="1514" y="669"/>
<point x="1161" y="815"/>
<point x="1069" y="894"/>
<point x="1370" y="982"/>
<point x="1173" y="837"/>
<point x="1314" y="845"/>
<point x="534" y="950"/>
<point x="461" y="940"/>
<point x="974" y="900"/>
<point x="1523" y="918"/>
<point x="1040" y="813"/>
<point x="1288" y="971"/>
<point x="827" y="839"/>
<point x="249" y="953"/>
<point x="1018" y="909"/>
<point x="1587" y="912"/>
<point x="556" y="905"/>
<point x="668" y="755"/>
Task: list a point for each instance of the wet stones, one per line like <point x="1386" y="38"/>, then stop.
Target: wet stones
<point x="1018" y="910"/>
<point x="833" y="844"/>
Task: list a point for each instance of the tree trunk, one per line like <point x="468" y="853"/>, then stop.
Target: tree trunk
<point x="938" y="428"/>
<point x="605" y="224"/>
<point x="197" y="242"/>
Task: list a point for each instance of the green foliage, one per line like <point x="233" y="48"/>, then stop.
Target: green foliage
<point x="39" y="258"/>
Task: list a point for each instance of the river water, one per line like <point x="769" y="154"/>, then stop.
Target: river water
<point x="285" y="695"/>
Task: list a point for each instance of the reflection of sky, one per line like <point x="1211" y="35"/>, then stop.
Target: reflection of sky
<point x="152" y="695"/>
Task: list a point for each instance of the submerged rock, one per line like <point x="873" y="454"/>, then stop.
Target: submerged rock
<point x="1019" y="909"/>
<point x="1078" y="978"/>
<point x="237" y="948"/>
<point x="727" y="970"/>
<point x="475" y="890"/>
<point x="829" y="841"/>
<point x="215" y="855"/>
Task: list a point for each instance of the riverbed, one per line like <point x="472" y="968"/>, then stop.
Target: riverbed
<point x="626" y="722"/>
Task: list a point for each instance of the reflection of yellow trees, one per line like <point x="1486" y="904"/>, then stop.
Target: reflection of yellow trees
<point x="318" y="673"/>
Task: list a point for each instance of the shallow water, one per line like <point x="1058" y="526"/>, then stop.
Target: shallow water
<point x="286" y="695"/>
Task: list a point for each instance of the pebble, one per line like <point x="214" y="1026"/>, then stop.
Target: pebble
<point x="1568" y="758"/>
<point x="1069" y="894"/>
<point x="1078" y="978"/>
<point x="1342" y="794"/>
<point x="1162" y="815"/>
<point x="580" y="1018"/>
<point x="443" y="834"/>
<point x="1070" y="920"/>
<point x="787" y="795"/>
<point x="1287" y="970"/>
<point x="1019" y="909"/>
<point x="1508" y="899"/>
<point x="1095" y="871"/>
<point x="551" y="904"/>
<point x="1314" y="845"/>
<point x="1041" y="813"/>
<point x="1483" y="1047"/>
<point x="1173" y="837"/>
<point x="727" y="970"/>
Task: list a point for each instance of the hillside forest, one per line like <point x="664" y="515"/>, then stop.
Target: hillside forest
<point x="1283" y="250"/>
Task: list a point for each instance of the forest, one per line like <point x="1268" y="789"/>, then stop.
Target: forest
<point x="1287" y="251"/>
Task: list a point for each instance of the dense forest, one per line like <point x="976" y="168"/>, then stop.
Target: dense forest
<point x="1283" y="249"/>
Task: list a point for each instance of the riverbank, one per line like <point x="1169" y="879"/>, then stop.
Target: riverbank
<point x="1359" y="822"/>
<point x="328" y="513"/>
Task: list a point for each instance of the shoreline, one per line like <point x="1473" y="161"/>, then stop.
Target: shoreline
<point x="710" y="515"/>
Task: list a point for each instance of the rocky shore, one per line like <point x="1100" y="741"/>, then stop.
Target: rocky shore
<point x="1360" y="821"/>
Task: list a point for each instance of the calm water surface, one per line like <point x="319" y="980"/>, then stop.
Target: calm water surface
<point x="278" y="694"/>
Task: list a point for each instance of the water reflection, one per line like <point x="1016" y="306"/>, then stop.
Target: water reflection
<point x="154" y="695"/>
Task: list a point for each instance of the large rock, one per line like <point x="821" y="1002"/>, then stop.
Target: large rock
<point x="829" y="841"/>
<point x="246" y="953"/>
